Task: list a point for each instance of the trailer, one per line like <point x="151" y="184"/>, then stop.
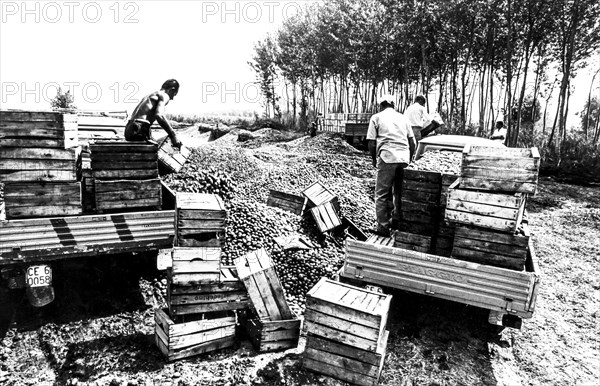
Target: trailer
<point x="509" y="295"/>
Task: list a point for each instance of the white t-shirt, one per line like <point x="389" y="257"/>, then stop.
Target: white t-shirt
<point x="416" y="114"/>
<point x="392" y="131"/>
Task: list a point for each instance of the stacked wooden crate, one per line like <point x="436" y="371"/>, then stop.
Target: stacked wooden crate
<point x="488" y="203"/>
<point x="201" y="293"/>
<point x="270" y="324"/>
<point x="200" y="220"/>
<point x="324" y="207"/>
<point x="38" y="160"/>
<point x="125" y="175"/>
<point x="346" y="332"/>
<point x="423" y="203"/>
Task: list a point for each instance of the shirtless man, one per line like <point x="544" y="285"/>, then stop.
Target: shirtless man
<point x="150" y="109"/>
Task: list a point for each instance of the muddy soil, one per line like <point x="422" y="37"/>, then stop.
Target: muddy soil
<point x="99" y="331"/>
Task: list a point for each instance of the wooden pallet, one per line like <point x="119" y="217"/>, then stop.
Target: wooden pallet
<point x="286" y="201"/>
<point x="172" y="159"/>
<point x="326" y="217"/>
<point x="205" y="334"/>
<point x="500" y="169"/>
<point x="344" y="362"/>
<point x="199" y="220"/>
<point x="228" y="294"/>
<point x="121" y="160"/>
<point x="23" y="129"/>
<point x="42" y="199"/>
<point x="489" y="247"/>
<point x="499" y="211"/>
<point x="346" y="314"/>
<point x="38" y="164"/>
<point x="127" y="194"/>
<point x="258" y="274"/>
<point x="271" y="335"/>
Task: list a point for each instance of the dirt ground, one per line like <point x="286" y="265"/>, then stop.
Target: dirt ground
<point x="99" y="330"/>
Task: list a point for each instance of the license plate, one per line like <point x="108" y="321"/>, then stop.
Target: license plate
<point x="39" y="276"/>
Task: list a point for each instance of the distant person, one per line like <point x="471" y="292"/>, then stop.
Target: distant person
<point x="499" y="133"/>
<point x="392" y="146"/>
<point x="150" y="109"/>
<point x="313" y="127"/>
<point x="416" y="114"/>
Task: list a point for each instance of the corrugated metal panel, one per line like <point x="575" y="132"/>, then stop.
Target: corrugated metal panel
<point x="85" y="232"/>
<point x="475" y="284"/>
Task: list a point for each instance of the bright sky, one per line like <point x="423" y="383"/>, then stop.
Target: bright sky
<point x="111" y="53"/>
<point x="114" y="53"/>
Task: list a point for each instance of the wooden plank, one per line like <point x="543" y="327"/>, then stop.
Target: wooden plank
<point x="347" y="330"/>
<point x="192" y="309"/>
<point x="278" y="295"/>
<point x="499" y="174"/>
<point x="46" y="200"/>
<point x="192" y="242"/>
<point x="228" y="286"/>
<point x="480" y="161"/>
<point x="197" y="266"/>
<point x="417" y="196"/>
<point x="28" y="116"/>
<point x="352" y="315"/>
<point x="33" y="133"/>
<point x="43" y="143"/>
<point x="491" y="247"/>
<point x="155" y="195"/>
<point x="505" y="152"/>
<point x="318" y="343"/>
<point x="122" y="147"/>
<point x="350" y="364"/>
<point x="124" y="165"/>
<point x="200" y="225"/>
<point x="264" y="289"/>
<point x="210" y="346"/>
<point x="488" y="258"/>
<point x="192" y="327"/>
<point x="141" y="174"/>
<point x="188" y="254"/>
<point x="196" y="278"/>
<point x="38" y="175"/>
<point x="43" y="211"/>
<point x="424" y="187"/>
<point x="503" y="225"/>
<point x="199" y="202"/>
<point x="137" y="203"/>
<point x="208" y="298"/>
<point x="486" y="235"/>
<point x="127" y="185"/>
<point x="36" y="164"/>
<point x="495" y="199"/>
<point x="124" y="157"/>
<point x="38" y="153"/>
<point x="509" y="186"/>
<point x="340" y="373"/>
<point x="458" y="204"/>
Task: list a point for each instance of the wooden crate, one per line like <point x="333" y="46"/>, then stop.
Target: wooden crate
<point x="412" y="241"/>
<point x="346" y="314"/>
<point x="317" y="194"/>
<point x="25" y="129"/>
<point x="38" y="164"/>
<point x="258" y="274"/>
<point x="199" y="220"/>
<point x="127" y="194"/>
<point x="489" y="247"/>
<point x="42" y="199"/>
<point x="343" y="362"/>
<point x="500" y="169"/>
<point x="271" y="335"/>
<point x="195" y="265"/>
<point x="121" y="160"/>
<point x="444" y="239"/>
<point x="499" y="211"/>
<point x="286" y="201"/>
<point x="205" y="334"/>
<point x="326" y="217"/>
<point x="171" y="158"/>
<point x="227" y="294"/>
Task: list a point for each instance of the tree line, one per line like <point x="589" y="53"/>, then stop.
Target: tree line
<point x="473" y="59"/>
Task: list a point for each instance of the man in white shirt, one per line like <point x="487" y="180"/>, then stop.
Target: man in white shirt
<point x="392" y="146"/>
<point x="499" y="134"/>
<point x="416" y="114"/>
